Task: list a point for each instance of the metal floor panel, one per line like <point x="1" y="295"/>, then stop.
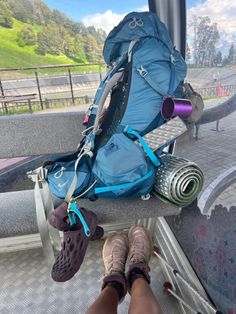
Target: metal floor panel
<point x="26" y="285"/>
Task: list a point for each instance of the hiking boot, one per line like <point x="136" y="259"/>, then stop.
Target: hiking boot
<point x="75" y="242"/>
<point x="140" y="250"/>
<point x="115" y="251"/>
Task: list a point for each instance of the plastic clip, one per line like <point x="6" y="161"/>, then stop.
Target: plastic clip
<point x="143" y="72"/>
<point x="74" y="211"/>
<point x="71" y="215"/>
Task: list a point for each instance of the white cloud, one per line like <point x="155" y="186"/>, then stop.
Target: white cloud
<point x="221" y="12"/>
<point x="108" y="19"/>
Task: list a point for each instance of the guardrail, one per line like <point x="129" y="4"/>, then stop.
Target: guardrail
<point x="216" y="113"/>
<point x="67" y="81"/>
<point x="217" y="91"/>
<point x="214" y="189"/>
<point x="24" y="105"/>
<point x="6" y="100"/>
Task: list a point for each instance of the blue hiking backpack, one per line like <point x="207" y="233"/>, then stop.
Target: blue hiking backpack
<point x="144" y="67"/>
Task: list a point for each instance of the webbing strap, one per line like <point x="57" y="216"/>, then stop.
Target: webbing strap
<point x="131" y="46"/>
<point x="109" y="85"/>
<point x="72" y="187"/>
<point x="43" y="226"/>
<point x="49" y="207"/>
<point x="44" y="205"/>
<point x="145" y="74"/>
<point x="144" y="144"/>
<point x="124" y="185"/>
<point x="172" y="76"/>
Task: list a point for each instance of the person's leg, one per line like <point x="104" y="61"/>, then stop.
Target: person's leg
<point x="138" y="279"/>
<point x="114" y="286"/>
<point x="143" y="299"/>
<point x="106" y="303"/>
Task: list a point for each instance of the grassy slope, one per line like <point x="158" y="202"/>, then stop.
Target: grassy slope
<point x="11" y="55"/>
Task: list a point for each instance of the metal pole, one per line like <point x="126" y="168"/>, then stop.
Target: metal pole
<point x="71" y="87"/>
<point x="39" y="91"/>
<point x="30" y="106"/>
<point x="180" y="299"/>
<point x="173" y="14"/>
<point x="152" y="6"/>
<point x="4" y="105"/>
<point x="1" y="88"/>
<point x="192" y="289"/>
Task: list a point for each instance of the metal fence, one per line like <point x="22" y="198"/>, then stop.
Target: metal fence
<point x="62" y="85"/>
<point x="217" y="91"/>
<point x="51" y="85"/>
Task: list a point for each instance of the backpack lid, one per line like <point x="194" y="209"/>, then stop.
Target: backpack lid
<point x="135" y="25"/>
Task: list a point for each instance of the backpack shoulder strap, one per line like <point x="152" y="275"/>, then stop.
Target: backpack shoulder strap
<point x="108" y="87"/>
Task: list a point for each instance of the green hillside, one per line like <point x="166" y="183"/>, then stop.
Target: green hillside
<point x="32" y="34"/>
<point x="12" y="55"/>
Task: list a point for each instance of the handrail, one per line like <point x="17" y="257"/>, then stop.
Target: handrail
<point x="214" y="189"/>
<point x="218" y="112"/>
<point x="8" y="99"/>
<point x="51" y="67"/>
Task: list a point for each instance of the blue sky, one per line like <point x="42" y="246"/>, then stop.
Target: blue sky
<point x="106" y="14"/>
<point x="77" y="9"/>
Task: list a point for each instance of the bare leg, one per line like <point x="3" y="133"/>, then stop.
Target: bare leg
<point x="114" y="288"/>
<point x="143" y="299"/>
<point x="138" y="278"/>
<point x="106" y="303"/>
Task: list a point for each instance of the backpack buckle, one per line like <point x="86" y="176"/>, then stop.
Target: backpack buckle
<point x="143" y="72"/>
<point x="39" y="174"/>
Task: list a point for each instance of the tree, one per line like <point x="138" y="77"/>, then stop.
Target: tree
<point x="58" y="34"/>
<point x="206" y="37"/>
<point x="79" y="50"/>
<point x="225" y="61"/>
<point x="218" y="58"/>
<point x="187" y="54"/>
<point x="5" y="15"/>
<point x="50" y="40"/>
<point x="100" y="53"/>
<point x="42" y="14"/>
<point x="62" y="20"/>
<point x="21" y="9"/>
<point x="68" y="46"/>
<point x="232" y="54"/>
<point x="26" y="36"/>
<point x="91" y="49"/>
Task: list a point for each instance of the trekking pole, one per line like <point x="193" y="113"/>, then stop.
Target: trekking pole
<point x="168" y="288"/>
<point x="177" y="275"/>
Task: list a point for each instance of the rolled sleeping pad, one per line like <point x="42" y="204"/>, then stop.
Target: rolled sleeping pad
<point x="178" y="181"/>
